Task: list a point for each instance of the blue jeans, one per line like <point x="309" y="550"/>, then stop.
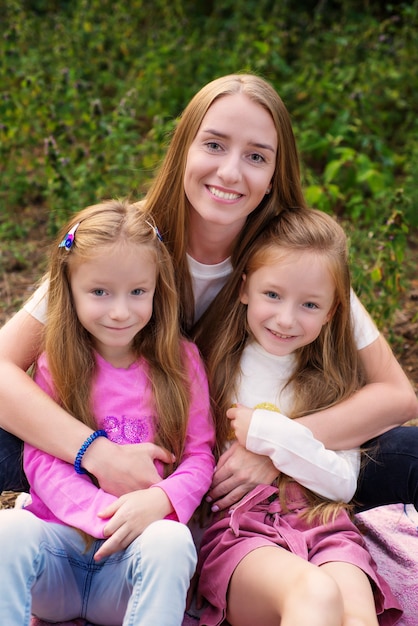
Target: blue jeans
<point x="12" y="477"/>
<point x="45" y="569"/>
<point x="390" y="474"/>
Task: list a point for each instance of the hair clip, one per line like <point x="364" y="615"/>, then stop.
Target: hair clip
<point x="68" y="240"/>
<point x="157" y="232"/>
<point x="155" y="229"/>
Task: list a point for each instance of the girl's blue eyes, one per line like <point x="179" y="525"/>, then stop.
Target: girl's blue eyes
<point x="275" y="296"/>
<point x="102" y="292"/>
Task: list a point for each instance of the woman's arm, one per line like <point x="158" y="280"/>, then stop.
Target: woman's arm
<point x="386" y="401"/>
<point x="29" y="413"/>
<point x="25" y="410"/>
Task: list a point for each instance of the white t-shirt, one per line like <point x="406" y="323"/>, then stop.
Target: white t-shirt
<point x="290" y="445"/>
<point x="207" y="281"/>
<point x="37" y="303"/>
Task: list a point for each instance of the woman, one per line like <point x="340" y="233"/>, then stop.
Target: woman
<point x="232" y="165"/>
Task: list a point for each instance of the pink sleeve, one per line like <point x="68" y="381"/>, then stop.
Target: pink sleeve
<point x="187" y="485"/>
<point x="61" y="495"/>
<point x="73" y="499"/>
<point x="58" y="493"/>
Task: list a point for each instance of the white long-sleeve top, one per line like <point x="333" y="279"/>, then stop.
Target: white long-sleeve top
<point x="290" y="445"/>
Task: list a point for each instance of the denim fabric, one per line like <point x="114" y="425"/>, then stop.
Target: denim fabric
<point x="390" y="472"/>
<point x="45" y="569"/>
<point x="12" y="477"/>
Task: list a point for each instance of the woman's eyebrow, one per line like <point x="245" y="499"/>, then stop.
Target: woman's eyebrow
<point x="217" y="133"/>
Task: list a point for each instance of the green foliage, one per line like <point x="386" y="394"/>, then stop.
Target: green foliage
<point x="380" y="277"/>
<point x="91" y="89"/>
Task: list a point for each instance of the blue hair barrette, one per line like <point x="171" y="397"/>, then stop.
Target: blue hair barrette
<point x="155" y="229"/>
<point x="157" y="232"/>
<point x="68" y="240"/>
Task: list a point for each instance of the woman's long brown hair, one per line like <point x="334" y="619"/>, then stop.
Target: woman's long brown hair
<point x="166" y="199"/>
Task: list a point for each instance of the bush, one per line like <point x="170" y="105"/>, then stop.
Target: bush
<point x="90" y="92"/>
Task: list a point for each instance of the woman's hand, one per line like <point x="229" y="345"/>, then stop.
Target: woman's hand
<point x="123" y="469"/>
<point x="237" y="472"/>
<point x="129" y="516"/>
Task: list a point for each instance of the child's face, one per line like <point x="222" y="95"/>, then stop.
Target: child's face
<point x="288" y="301"/>
<point x="230" y="162"/>
<point x="113" y="296"/>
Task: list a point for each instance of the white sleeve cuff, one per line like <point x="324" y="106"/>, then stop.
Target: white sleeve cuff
<point x="294" y="451"/>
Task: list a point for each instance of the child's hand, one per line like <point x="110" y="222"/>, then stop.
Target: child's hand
<point x="240" y="417"/>
<point x="128" y="517"/>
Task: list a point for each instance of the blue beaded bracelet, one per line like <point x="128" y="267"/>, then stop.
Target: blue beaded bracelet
<point x="81" y="452"/>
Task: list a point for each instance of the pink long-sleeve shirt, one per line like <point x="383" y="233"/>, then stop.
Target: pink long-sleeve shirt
<point x="123" y="407"/>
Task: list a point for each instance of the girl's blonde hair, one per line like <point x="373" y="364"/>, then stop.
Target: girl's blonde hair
<point x="166" y="199"/>
<point x="68" y="345"/>
<point x="328" y="369"/>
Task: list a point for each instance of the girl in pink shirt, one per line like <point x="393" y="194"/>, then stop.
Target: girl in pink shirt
<point x="114" y="358"/>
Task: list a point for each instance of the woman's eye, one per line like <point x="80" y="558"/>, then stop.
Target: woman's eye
<point x="137" y="292"/>
<point x="213" y="145"/>
<point x="310" y="305"/>
<point x="257" y="158"/>
<point x="99" y="292"/>
<point x="272" y="295"/>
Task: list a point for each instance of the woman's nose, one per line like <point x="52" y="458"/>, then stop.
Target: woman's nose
<point x="230" y="169"/>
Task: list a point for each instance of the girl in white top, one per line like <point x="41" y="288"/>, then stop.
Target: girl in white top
<point x="284" y="350"/>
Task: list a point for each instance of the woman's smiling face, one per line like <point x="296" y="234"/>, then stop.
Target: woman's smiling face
<point x="231" y="162"/>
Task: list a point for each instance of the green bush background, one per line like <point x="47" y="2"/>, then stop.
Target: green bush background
<point x="90" y="91"/>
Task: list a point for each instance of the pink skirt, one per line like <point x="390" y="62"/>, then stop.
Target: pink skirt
<point x="259" y="521"/>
